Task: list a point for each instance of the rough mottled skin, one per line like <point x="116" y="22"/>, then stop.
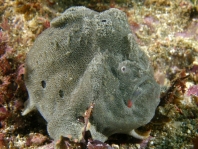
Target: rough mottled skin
<point x="89" y="57"/>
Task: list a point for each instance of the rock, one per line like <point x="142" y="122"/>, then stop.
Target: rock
<point x="88" y="57"/>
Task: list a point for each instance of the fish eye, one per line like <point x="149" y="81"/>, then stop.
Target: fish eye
<point x="123" y="68"/>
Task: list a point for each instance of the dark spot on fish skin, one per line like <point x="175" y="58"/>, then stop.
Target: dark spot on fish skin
<point x="43" y="84"/>
<point x="61" y="93"/>
<point x="114" y="72"/>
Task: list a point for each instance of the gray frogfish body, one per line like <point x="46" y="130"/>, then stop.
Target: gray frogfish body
<point x="88" y="57"/>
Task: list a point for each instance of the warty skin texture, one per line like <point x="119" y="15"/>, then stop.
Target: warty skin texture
<point x="89" y="57"/>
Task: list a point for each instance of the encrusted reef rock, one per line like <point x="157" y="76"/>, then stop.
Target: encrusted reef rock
<point x="86" y="58"/>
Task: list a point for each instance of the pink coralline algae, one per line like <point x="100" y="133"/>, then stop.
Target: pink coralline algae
<point x="36" y="139"/>
<point x="193" y="90"/>
<point x="194" y="69"/>
<point x="150" y="22"/>
<point x="98" y="145"/>
<point x="190" y="31"/>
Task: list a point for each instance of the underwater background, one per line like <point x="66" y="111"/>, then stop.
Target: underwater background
<point x="166" y="30"/>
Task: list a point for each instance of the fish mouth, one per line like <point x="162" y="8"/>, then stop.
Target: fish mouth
<point x="139" y="87"/>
